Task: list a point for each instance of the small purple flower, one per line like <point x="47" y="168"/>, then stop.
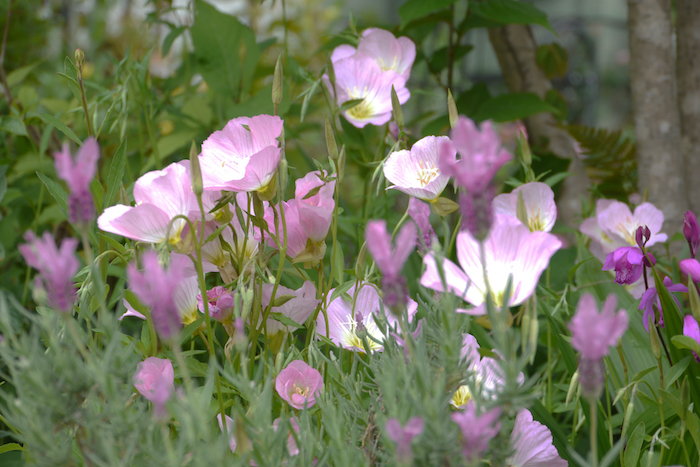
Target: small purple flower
<point x="651" y="297"/>
<point x="592" y="332"/>
<point x="155" y="287"/>
<point x="220" y="303"/>
<point x="77" y="174"/>
<point x="390" y="261"/>
<point x="155" y="380"/>
<point x="420" y="213"/>
<point x="691" y="329"/>
<point x="628" y="262"/>
<point x="298" y="384"/>
<point x="477" y="430"/>
<point x="403" y="435"/>
<point x="691" y="230"/>
<point x="56" y="268"/>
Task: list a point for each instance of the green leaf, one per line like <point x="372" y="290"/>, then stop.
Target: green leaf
<point x="286" y="320"/>
<point x="11" y="447"/>
<point x="676" y="371"/>
<point x="18" y="75"/>
<point x="347" y="105"/>
<point x="513" y="106"/>
<point x="468" y="102"/>
<point x="168" y="41"/>
<point x="70" y="73"/>
<point x="13" y="125"/>
<point x="510" y="12"/>
<point x="634" y="446"/>
<point x="553" y="59"/>
<point x="48" y="118"/>
<point x="225" y="50"/>
<point x="115" y="175"/>
<point x="556" y="178"/>
<point x="3" y="181"/>
<point x="439" y="59"/>
<point x="686" y="342"/>
<point x="56" y="191"/>
<point x="415" y="9"/>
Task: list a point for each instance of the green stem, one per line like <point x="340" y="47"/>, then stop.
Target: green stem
<point x="593" y="403"/>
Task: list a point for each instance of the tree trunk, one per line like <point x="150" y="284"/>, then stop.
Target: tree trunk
<point x="655" y="106"/>
<point x="688" y="75"/>
<point x="515" y="49"/>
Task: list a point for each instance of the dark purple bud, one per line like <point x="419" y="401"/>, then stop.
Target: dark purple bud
<point x="642" y="236"/>
<point x="691" y="230"/>
<point x="649" y="258"/>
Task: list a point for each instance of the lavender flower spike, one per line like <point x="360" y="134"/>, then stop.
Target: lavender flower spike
<point x="403" y="435"/>
<point x="155" y="287"/>
<point x="477" y="430"/>
<point x="56" y="268"/>
<point x="77" y="174"/>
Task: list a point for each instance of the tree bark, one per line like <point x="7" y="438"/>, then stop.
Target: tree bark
<point x="515" y="49"/>
<point x="655" y="107"/>
<point x="688" y="75"/>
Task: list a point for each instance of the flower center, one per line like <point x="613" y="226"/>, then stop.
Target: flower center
<point x="462" y="396"/>
<point x="301" y="391"/>
<point x="353" y="340"/>
<point x="361" y="111"/>
<point x="427" y="173"/>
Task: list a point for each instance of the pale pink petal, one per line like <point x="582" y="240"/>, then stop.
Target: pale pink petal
<point x="416" y="172"/>
<point x="146" y="222"/>
<point x="379" y="246"/>
<point x="539" y="203"/>
<point x="389" y="53"/>
<point x="649" y="215"/>
<point x="533" y="444"/>
<point x="169" y="189"/>
<point x="457" y="281"/>
<point x="342" y="51"/>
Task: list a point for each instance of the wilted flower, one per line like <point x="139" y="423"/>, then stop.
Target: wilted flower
<point x="220" y="303"/>
<point x="243" y="156"/>
<point x="510" y="250"/>
<point x="347" y="325"/>
<point x="477" y="430"/>
<point x="155" y="287"/>
<point x="532" y="443"/>
<point x="416" y="172"/>
<point x="539" y="203"/>
<point x="160" y="195"/>
<point x="691" y="329"/>
<point x="298" y="384"/>
<point x="56" y="267"/>
<point x="155" y="380"/>
<point x="628" y="263"/>
<point x="78" y="174"/>
<point x="301" y="305"/>
<point x="403" y="435"/>
<point x="651" y="298"/>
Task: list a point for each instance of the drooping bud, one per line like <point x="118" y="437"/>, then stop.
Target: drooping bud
<point x="330" y="141"/>
<point x="452" y="109"/>
<point x="691" y="230"/>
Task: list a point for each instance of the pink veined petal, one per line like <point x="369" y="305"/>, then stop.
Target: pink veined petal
<point x="265" y="129"/>
<point x="316" y="220"/>
<point x="539" y="204"/>
<point x="649" y="215"/>
<point x="457" y="281"/>
<point x="169" y="189"/>
<point x="470" y="351"/>
<point x="130" y="311"/>
<point x="691" y="328"/>
<point x="416" y="172"/>
<point x="145" y="222"/>
<point x="533" y="444"/>
<point x="339" y="318"/>
<point x="390" y="53"/>
<point x="258" y="172"/>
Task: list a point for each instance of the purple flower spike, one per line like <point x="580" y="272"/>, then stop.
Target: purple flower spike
<point x="77" y="174"/>
<point x="651" y="297"/>
<point x="155" y="287"/>
<point x="691" y="230"/>
<point x="691" y="329"/>
<point x="477" y="430"/>
<point x="403" y="436"/>
<point x="298" y="384"/>
<point x="592" y="332"/>
<point x="420" y="213"/>
<point x="56" y="268"/>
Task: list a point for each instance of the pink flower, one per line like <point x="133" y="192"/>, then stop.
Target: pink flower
<point x="229" y="429"/>
<point x="651" y="298"/>
<point x="292" y="447"/>
<point x="539" y="204"/>
<point x="420" y="213"/>
<point x="78" y="174"/>
<point x="477" y="430"/>
<point x="155" y="380"/>
<point x="56" y="267"/>
<point x="615" y="226"/>
<point x="592" y="333"/>
<point x="691" y="231"/>
<point x="315" y="211"/>
<point x="480" y="153"/>
<point x="510" y="250"/>
<point x="347" y="324"/>
<point x="220" y="303"/>
<point x="532" y="443"/>
<point x="360" y="77"/>
<point x="298" y="309"/>
<point x="298" y="384"/>
<point x="155" y="287"/>
<point x="160" y="195"/>
<point x="416" y="172"/>
<point x="403" y="435"/>
<point x="243" y="156"/>
<point x="389" y="52"/>
<point x="691" y="268"/>
<point x="691" y="329"/>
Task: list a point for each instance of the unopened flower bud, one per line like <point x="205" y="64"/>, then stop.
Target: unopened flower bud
<point x="79" y="58"/>
<point x="195" y="171"/>
<point x="691" y="230"/>
<point x="452" y="109"/>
